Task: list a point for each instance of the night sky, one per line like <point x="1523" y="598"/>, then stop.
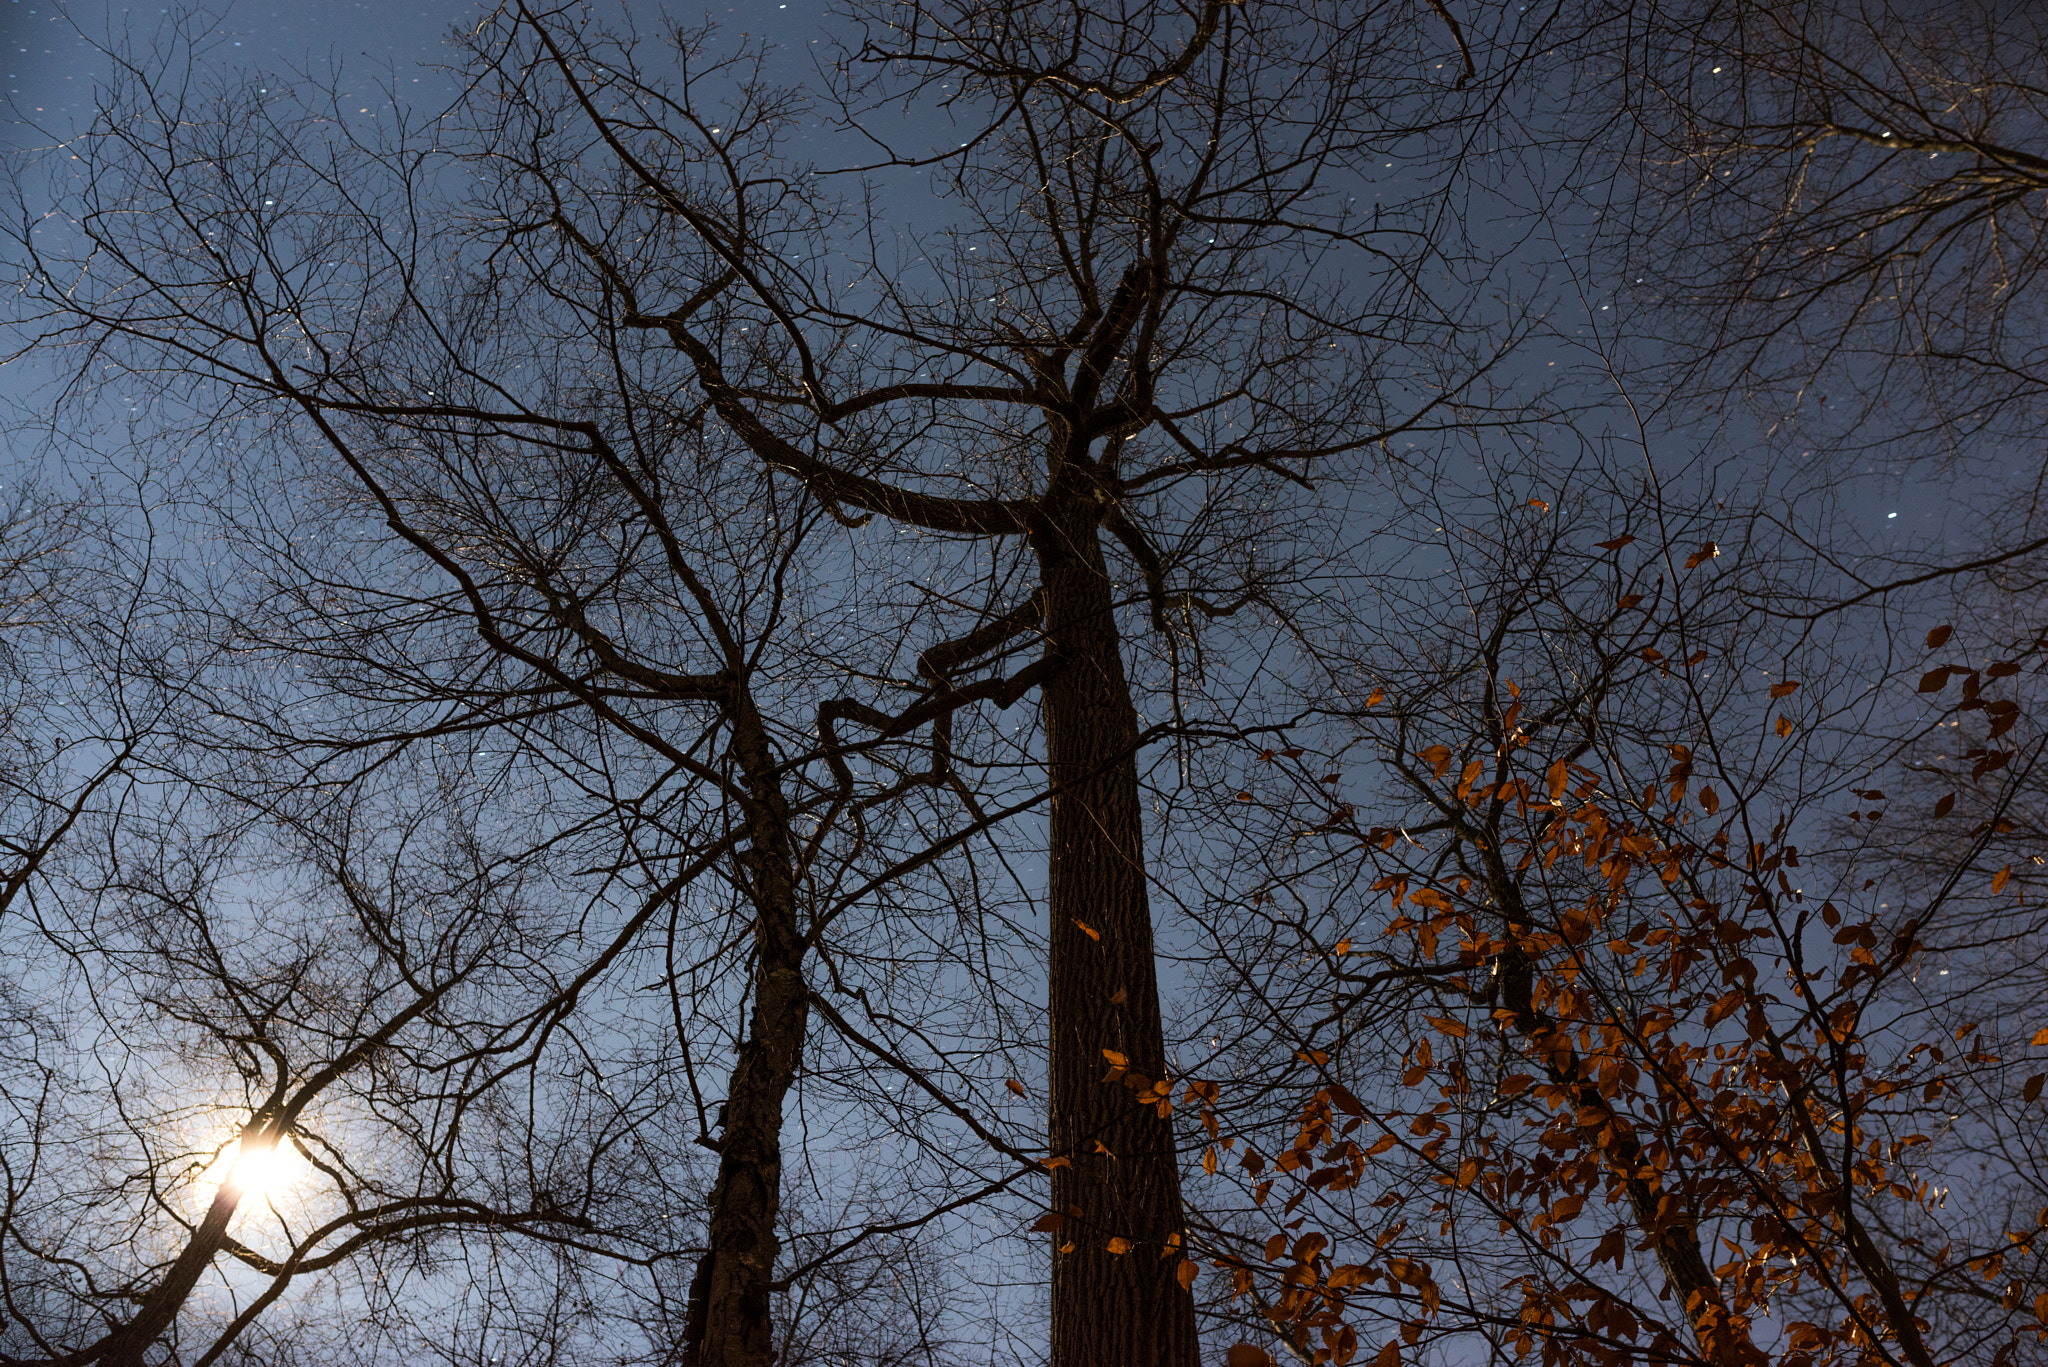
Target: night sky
<point x="56" y="65"/>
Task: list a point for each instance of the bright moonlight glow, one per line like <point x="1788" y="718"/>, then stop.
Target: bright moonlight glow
<point x="263" y="1170"/>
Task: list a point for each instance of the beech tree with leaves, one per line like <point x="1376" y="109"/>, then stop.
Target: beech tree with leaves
<point x="1687" y="1068"/>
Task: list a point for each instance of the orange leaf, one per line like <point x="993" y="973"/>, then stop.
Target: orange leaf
<point x="2040" y="1038"/>
<point x="1091" y="931"/>
<point x="1702" y="555"/>
<point x="1784" y="725"/>
<point x="1116" y="1060"/>
<point x="1016" y="1087"/>
<point x="1185" y="1273"/>
<point x="1119" y="1245"/>
<point x="1373" y="700"/>
<point x="1539" y="505"/>
<point x="1455" y="1029"/>
<point x="1061" y="1162"/>
<point x="1785" y="689"/>
<point x="1999" y="879"/>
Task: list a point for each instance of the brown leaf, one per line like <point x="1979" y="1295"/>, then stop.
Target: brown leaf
<point x="1185" y="1273"/>
<point x="1048" y="1222"/>
<point x="1118" y="997"/>
<point x="1785" y="689"/>
<point x="1615" y="544"/>
<point x="1784" y="725"/>
<point x="1245" y="1355"/>
<point x="1945" y="805"/>
<point x="1702" y="555"/>
<point x="1999" y="879"/>
<point x="2033" y="1087"/>
<point x="1939" y="636"/>
<point x="1934" y="680"/>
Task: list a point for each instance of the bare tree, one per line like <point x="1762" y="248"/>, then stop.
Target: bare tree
<point x="583" y="602"/>
<point x="1832" y="213"/>
<point x="1135" y="365"/>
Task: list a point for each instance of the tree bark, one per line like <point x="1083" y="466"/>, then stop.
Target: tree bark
<point x="728" y="1322"/>
<point x="1108" y="1309"/>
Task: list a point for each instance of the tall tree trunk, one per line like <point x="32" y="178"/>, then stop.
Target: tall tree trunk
<point x="728" y="1319"/>
<point x="1108" y="1309"/>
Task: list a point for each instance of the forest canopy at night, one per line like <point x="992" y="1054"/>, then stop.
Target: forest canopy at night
<point x="937" y="682"/>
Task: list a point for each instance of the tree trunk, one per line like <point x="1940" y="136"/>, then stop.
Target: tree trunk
<point x="728" y="1321"/>
<point x="127" y="1345"/>
<point x="1108" y="1309"/>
